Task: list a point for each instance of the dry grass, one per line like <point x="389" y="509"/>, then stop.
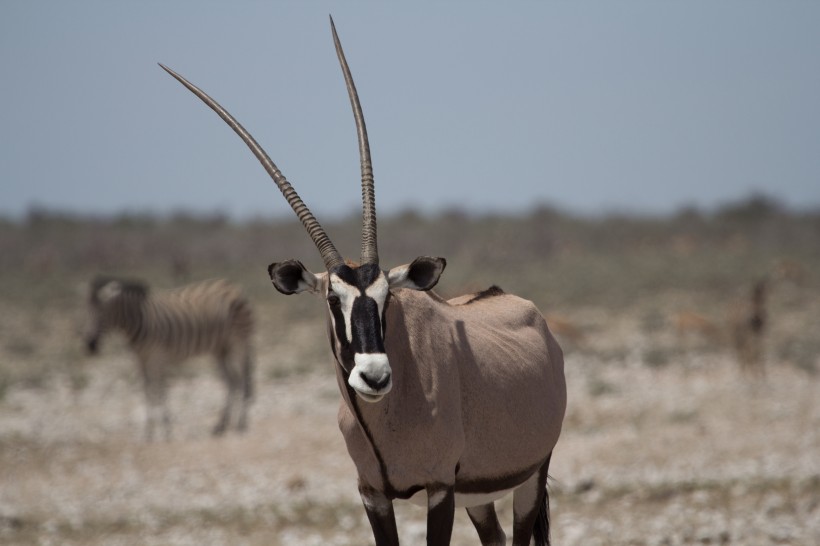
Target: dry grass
<point x="665" y="442"/>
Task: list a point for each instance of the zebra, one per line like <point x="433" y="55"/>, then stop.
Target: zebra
<point x="164" y="328"/>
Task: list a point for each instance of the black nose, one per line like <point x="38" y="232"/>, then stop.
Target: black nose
<point x="376" y="385"/>
<point x="92" y="346"/>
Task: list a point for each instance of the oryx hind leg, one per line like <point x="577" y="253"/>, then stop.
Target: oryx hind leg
<point x="530" y="509"/>
<point x="486" y="523"/>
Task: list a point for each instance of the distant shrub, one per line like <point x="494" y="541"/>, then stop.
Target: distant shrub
<point x="657" y="357"/>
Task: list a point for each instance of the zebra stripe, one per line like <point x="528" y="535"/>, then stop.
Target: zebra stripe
<point x="167" y="327"/>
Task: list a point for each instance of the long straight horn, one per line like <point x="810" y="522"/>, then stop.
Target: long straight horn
<point x="370" y="250"/>
<point x="330" y="255"/>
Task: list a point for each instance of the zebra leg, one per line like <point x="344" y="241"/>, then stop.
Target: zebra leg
<point x="486" y="523"/>
<point x="228" y="376"/>
<point x="150" y="400"/>
<point x="247" y="390"/>
<point x="158" y="385"/>
<point x="163" y="400"/>
<point x="530" y="508"/>
<point x="156" y="394"/>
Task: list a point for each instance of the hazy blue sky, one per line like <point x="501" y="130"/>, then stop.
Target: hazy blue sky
<point x="641" y="106"/>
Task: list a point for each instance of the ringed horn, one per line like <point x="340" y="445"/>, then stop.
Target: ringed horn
<point x="330" y="255"/>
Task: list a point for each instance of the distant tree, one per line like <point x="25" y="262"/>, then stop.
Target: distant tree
<point x="752" y="209"/>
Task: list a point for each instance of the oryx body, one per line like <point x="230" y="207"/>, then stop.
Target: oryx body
<point x="476" y="388"/>
<point x="443" y="402"/>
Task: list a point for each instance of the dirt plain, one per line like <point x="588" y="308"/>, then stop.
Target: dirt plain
<point x="665" y="441"/>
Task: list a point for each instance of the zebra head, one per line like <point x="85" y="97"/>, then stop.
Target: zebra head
<point x="112" y="303"/>
<point x="356" y="295"/>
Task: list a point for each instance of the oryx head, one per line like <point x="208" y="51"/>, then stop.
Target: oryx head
<point x="356" y="295"/>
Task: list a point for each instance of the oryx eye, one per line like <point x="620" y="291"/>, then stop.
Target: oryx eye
<point x="333" y="299"/>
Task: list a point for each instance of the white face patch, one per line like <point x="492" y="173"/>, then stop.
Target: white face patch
<point x="347" y="295"/>
<point x="110" y="291"/>
<point x="371" y="376"/>
<point x="378" y="291"/>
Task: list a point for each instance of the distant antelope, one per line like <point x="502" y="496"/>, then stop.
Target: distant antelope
<point x="446" y="403"/>
<point x="565" y="329"/>
<point x="690" y="322"/>
<point x="748" y="320"/>
<point x="165" y="328"/>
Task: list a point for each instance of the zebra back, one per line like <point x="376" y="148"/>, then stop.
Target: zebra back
<point x="207" y="317"/>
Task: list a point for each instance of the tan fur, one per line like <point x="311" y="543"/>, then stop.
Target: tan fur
<point x="480" y="386"/>
<point x="690" y="322"/>
<point x="565" y="329"/>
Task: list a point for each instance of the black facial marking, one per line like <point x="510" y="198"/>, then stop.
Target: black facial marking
<point x="367" y="274"/>
<point x="366" y="326"/>
<point x="346" y="273"/>
<point x="344" y="356"/>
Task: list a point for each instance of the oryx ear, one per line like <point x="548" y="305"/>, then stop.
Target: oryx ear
<point x="291" y="277"/>
<point x="421" y="274"/>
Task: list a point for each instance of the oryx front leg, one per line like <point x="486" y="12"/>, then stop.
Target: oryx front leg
<point x="382" y="518"/>
<point x="441" y="507"/>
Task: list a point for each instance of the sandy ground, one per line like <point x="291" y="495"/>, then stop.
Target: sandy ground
<point x="688" y="453"/>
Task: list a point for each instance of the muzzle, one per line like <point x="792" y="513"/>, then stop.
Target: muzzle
<point x="371" y="376"/>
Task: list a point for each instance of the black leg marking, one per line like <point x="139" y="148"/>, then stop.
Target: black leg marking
<point x="441" y="507"/>
<point x="528" y="503"/>
<point x="382" y="518"/>
<point x="541" y="531"/>
<point x="486" y="523"/>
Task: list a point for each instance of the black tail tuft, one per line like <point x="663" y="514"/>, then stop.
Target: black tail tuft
<point x="541" y="531"/>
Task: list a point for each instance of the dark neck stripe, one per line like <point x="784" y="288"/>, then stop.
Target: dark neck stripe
<point x="354" y="402"/>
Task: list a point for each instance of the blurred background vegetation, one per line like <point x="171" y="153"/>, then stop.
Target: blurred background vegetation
<point x="585" y="273"/>
<point x="662" y="426"/>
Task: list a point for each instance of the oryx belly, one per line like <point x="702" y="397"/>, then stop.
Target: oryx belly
<point x="464" y="500"/>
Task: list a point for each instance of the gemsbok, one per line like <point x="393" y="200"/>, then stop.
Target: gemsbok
<point x="166" y="327"/>
<point x="748" y="322"/>
<point x="445" y="403"/>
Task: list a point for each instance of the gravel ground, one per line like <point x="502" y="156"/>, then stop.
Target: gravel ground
<point x="687" y="453"/>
